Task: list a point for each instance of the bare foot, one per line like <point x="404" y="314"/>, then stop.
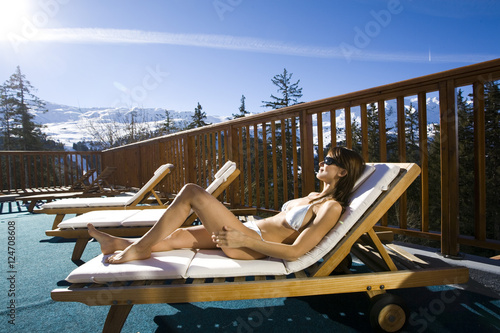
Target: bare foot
<point x="130" y="253"/>
<point x="109" y="244"/>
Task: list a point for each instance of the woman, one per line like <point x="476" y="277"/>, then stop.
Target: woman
<point x="288" y="235"/>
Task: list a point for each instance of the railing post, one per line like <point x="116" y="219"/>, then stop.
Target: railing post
<point x="424" y="160"/>
<point x="364" y="131"/>
<point x="449" y="169"/>
<point x="403" y="204"/>
<point x="382" y="130"/>
<point x="307" y="152"/>
<point x="189" y="159"/>
<point x="348" y="127"/>
<point x="479" y="162"/>
<point x="234" y="155"/>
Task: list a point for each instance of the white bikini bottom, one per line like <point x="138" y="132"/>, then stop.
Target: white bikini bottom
<point x="253" y="226"/>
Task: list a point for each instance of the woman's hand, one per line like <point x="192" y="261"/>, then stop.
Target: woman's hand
<point x="229" y="237"/>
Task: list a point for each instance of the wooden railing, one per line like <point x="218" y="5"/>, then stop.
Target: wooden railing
<point x="278" y="151"/>
<point x="24" y="171"/>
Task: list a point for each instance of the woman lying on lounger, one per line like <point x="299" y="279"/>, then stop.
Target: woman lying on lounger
<point x="288" y="235"/>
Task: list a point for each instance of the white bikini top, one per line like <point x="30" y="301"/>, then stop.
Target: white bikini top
<point x="296" y="215"/>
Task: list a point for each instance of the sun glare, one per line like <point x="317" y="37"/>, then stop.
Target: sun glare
<point x="12" y="13"/>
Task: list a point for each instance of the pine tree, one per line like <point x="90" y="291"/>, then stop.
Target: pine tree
<point x="168" y="126"/>
<point x="434" y="165"/>
<point x="290" y="94"/>
<point x="411" y="134"/>
<point x="134" y="126"/>
<point x="242" y="109"/>
<point x="373" y="133"/>
<point x="492" y="129"/>
<point x="412" y="146"/>
<point x="7" y="114"/>
<point x="290" y="91"/>
<point x="466" y="162"/>
<point x="356" y="135"/>
<point x="373" y="129"/>
<point x="17" y="99"/>
<point x="198" y="118"/>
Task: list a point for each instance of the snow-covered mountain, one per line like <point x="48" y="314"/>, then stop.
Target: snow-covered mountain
<point x="69" y="124"/>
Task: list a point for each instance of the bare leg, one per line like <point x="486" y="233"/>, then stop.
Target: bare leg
<point x="212" y="213"/>
<point x="109" y="244"/>
<point x="196" y="237"/>
<point x="193" y="237"/>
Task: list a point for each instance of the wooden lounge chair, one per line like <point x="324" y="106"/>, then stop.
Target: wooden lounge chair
<point x="131" y="222"/>
<point x="98" y="187"/>
<point x="83" y="205"/>
<point x="185" y="276"/>
<point x="82" y="183"/>
<point x="9" y="199"/>
<point x="27" y="195"/>
<point x="78" y="185"/>
<point x="100" y="184"/>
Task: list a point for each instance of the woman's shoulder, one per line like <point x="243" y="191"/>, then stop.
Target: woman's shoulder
<point x="329" y="210"/>
<point x="330" y="203"/>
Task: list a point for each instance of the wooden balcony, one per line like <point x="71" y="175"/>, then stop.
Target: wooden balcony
<point x="278" y="151"/>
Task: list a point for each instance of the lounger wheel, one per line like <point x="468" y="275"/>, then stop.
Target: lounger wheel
<point x="388" y="313"/>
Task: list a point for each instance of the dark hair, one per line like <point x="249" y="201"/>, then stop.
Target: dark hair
<point x="354" y="165"/>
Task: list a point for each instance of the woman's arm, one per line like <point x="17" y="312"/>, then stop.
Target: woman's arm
<point x="326" y="217"/>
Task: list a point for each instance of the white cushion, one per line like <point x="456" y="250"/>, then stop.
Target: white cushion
<point x="53" y="195"/>
<point x="161" y="265"/>
<point x="225" y="168"/>
<point x="118" y="201"/>
<point x="115" y="218"/>
<point x="158" y="173"/>
<point x="113" y="201"/>
<point x="145" y="218"/>
<point x="369" y="169"/>
<point x="214" y="263"/>
<point x="221" y="176"/>
<point x="99" y="218"/>
<point x="173" y="265"/>
<point x="361" y="200"/>
<point x="68" y="203"/>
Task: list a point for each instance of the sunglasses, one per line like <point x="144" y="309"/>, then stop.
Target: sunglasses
<point x="332" y="160"/>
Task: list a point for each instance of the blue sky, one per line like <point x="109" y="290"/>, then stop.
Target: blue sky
<point x="175" y="53"/>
